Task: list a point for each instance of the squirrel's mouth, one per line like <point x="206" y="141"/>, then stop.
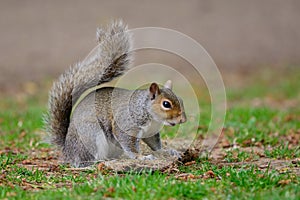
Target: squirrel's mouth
<point x="169" y="123"/>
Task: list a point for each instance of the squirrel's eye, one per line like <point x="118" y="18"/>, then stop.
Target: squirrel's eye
<point x="166" y="104"/>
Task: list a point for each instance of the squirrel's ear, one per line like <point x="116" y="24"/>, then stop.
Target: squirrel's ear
<point x="168" y="85"/>
<point x="154" y="91"/>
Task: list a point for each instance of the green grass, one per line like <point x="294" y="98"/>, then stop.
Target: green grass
<point x="271" y="128"/>
<point x="227" y="182"/>
<point x="237" y="155"/>
<point x="283" y="151"/>
<point x="261" y="124"/>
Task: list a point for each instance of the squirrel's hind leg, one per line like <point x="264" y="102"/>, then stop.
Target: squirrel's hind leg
<point x="75" y="151"/>
<point x="129" y="144"/>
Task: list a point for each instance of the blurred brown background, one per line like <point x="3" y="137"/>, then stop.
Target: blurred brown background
<point x="39" y="39"/>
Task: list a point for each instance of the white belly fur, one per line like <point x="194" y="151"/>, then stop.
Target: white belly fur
<point x="150" y="129"/>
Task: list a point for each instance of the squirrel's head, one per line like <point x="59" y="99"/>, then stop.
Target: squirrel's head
<point x="165" y="105"/>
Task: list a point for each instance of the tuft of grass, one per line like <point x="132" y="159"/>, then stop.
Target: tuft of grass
<point x="283" y="152"/>
<point x="237" y="155"/>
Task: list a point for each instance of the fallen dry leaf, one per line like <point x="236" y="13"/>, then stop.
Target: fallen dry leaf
<point x="187" y="176"/>
<point x="27" y="162"/>
<point x="284" y="182"/>
<point x="101" y="166"/>
<point x="111" y="190"/>
<point x="213" y="189"/>
<point x="225" y="143"/>
<point x="22" y="134"/>
<point x="133" y="188"/>
<point x="189" y="163"/>
<point x="210" y="174"/>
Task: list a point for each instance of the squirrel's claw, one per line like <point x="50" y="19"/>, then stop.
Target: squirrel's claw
<point x="148" y="157"/>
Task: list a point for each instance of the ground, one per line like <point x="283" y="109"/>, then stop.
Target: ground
<point x="256" y="157"/>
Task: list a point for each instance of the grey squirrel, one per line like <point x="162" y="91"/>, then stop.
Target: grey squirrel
<point x="108" y="121"/>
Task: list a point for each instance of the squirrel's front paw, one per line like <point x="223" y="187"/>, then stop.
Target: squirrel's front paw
<point x="169" y="152"/>
<point x="148" y="157"/>
<point x="174" y="153"/>
<point x="140" y="157"/>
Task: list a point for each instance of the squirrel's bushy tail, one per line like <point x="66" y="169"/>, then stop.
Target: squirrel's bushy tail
<point x="109" y="60"/>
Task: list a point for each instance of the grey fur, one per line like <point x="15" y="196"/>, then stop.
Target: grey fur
<point x="108" y="121"/>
